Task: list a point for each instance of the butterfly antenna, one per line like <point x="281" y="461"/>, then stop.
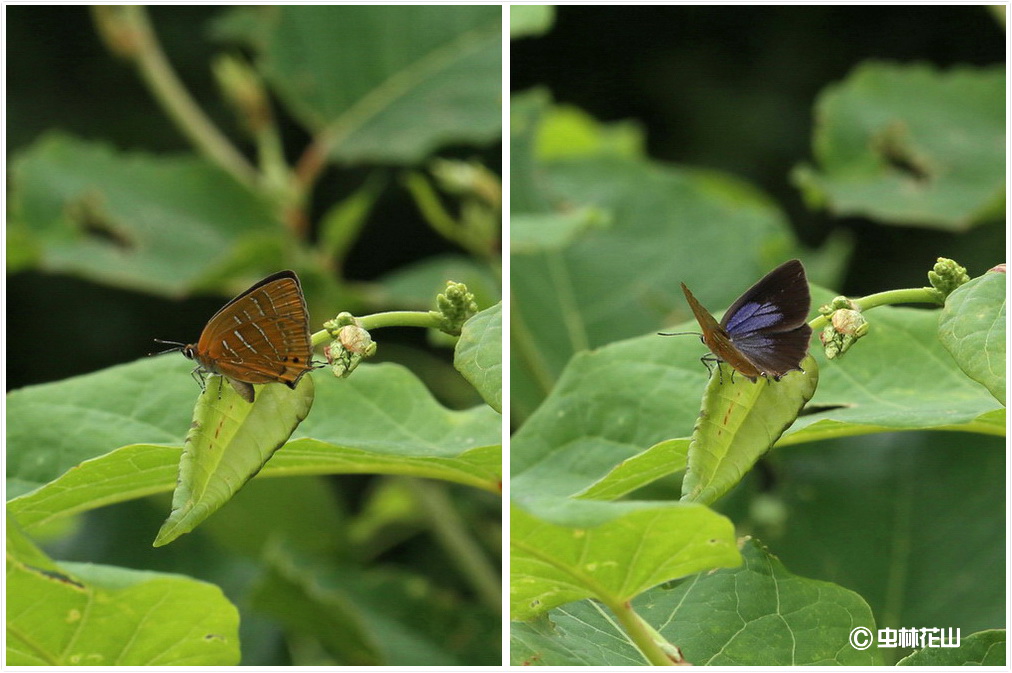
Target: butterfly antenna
<point x="699" y="334"/>
<point x="176" y="346"/>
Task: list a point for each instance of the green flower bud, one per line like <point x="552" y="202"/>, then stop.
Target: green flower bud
<point x="946" y="276"/>
<point x="836" y="304"/>
<point x="455" y="306"/>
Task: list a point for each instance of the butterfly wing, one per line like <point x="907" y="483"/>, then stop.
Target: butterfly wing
<point x="779" y="300"/>
<point x="775" y="353"/>
<point x="767" y="322"/>
<point x="262" y="335"/>
<point x="717" y="340"/>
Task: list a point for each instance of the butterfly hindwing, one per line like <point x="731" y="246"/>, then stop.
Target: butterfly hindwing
<point x="775" y="353"/>
<point x="261" y="336"/>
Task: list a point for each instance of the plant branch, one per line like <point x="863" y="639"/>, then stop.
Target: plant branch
<point x="524" y="346"/>
<point x="401" y="319"/>
<point x="914" y="295"/>
<point x="644" y="637"/>
<point x="128" y="33"/>
<point x="449" y="529"/>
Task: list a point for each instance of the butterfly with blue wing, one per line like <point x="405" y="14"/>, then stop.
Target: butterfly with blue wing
<point x="764" y="332"/>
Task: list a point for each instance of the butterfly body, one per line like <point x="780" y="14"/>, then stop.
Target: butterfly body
<point x="764" y="332"/>
<point x="261" y="336"/>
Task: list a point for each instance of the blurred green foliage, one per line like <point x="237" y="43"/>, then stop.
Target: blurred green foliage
<point x="163" y="152"/>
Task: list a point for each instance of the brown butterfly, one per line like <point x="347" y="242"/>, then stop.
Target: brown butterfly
<point x="261" y="336"/>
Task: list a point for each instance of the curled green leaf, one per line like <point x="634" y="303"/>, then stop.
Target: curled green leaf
<point x="738" y="423"/>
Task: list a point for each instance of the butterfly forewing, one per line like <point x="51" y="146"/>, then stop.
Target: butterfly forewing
<point x="779" y="301"/>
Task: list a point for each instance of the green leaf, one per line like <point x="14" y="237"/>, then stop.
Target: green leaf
<point x="53" y="427"/>
<point x="739" y="422"/>
<point x="531" y="20"/>
<point x="387" y="84"/>
<point x="230" y="440"/>
<point x="613" y="407"/>
<point x="972" y="329"/>
<point x="579" y="549"/>
<point x="313" y="518"/>
<point x="548" y="232"/>
<point x="898" y="377"/>
<point x="758" y="614"/>
<point x="659" y="460"/>
<point x="856" y="510"/>
<point x="478" y="355"/>
<point x="567" y="131"/>
<point x="984" y="648"/>
<point x="84" y="614"/>
<point x="911" y="145"/>
<point x="384" y="617"/>
<point x="123" y="474"/>
<point x="381" y="420"/>
<point x="163" y="225"/>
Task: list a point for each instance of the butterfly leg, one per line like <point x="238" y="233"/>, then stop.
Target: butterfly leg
<point x="198" y="376"/>
<point x="709" y="360"/>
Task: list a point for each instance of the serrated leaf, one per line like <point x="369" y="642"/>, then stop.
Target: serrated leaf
<point x="972" y="328"/>
<point x="93" y="615"/>
<point x="142" y="222"/>
<point x="478" y="354"/>
<point x="381" y="420"/>
<point x="740" y="421"/>
<point x="912" y="145"/>
<point x="758" y="614"/>
<point x="612" y="551"/>
<point x="387" y="84"/>
<point x="230" y="440"/>
<point x="984" y="648"/>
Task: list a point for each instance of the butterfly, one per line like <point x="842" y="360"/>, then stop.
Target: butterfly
<point x="764" y="332"/>
<point x="261" y="336"/>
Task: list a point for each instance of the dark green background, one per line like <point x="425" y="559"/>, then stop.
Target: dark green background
<point x="732" y="88"/>
<point x="60" y="76"/>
